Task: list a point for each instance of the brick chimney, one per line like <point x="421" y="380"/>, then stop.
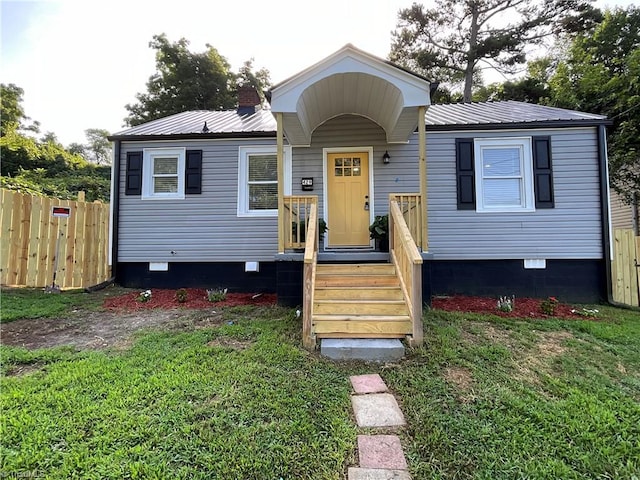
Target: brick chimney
<point x="248" y="100"/>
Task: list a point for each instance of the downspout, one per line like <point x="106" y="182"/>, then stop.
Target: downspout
<point x="115" y="202"/>
<point x="604" y="208"/>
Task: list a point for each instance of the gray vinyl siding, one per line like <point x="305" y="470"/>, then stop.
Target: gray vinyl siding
<point x="202" y="227"/>
<point x="571" y="230"/>
<point x="399" y="176"/>
<point x="206" y="227"/>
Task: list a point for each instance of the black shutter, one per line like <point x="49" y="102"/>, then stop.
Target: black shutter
<point x="465" y="174"/>
<point x="193" y="172"/>
<point x="542" y="172"/>
<point x="133" y="184"/>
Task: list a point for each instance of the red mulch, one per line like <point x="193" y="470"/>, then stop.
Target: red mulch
<point x="196" y="298"/>
<point x="525" y="307"/>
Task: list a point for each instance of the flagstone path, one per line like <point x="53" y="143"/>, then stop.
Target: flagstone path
<point x="380" y="455"/>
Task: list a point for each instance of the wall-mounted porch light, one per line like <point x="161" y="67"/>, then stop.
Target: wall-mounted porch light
<point x="386" y="157"/>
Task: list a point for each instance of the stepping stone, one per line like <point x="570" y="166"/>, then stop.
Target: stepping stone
<point x="377" y="474"/>
<point x="372" y="383"/>
<point x="381" y="451"/>
<point x="377" y="410"/>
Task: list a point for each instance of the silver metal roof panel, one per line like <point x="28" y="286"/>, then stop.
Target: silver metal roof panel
<point x="439" y="117"/>
<point x="506" y="112"/>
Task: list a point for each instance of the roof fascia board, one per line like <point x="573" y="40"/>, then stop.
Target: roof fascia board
<point x="194" y="136"/>
<point x="518" y="126"/>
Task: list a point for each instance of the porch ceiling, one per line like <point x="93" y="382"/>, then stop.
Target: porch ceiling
<point x="350" y="82"/>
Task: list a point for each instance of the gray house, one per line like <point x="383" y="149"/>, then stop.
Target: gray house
<point x="484" y="198"/>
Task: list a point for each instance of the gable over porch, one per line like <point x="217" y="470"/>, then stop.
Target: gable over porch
<point x="350" y="82"/>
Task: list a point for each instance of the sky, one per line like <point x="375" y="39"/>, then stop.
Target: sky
<point x="80" y="62"/>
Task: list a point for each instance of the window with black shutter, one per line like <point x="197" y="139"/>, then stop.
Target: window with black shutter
<point x="542" y="171"/>
<point x="465" y="175"/>
<point x="193" y="172"/>
<point x="133" y="184"/>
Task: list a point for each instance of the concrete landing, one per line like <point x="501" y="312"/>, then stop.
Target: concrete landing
<point x="365" y="349"/>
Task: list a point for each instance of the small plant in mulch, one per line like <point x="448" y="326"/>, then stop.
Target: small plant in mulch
<point x="506" y="304"/>
<point x="549" y="305"/>
<point x="181" y="295"/>
<point x="216" y="294"/>
<point x="586" y="312"/>
<point x="144" y="297"/>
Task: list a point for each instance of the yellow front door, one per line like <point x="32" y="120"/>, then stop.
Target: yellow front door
<point x="348" y="199"/>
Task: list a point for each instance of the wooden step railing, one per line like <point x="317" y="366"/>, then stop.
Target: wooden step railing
<point x="309" y="276"/>
<point x="408" y="262"/>
<point x="410" y="205"/>
<point x="297" y="211"/>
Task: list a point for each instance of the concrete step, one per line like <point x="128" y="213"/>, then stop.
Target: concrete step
<point x="365" y="349"/>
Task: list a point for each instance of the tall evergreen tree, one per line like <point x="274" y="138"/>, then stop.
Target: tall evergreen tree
<point x="455" y="40"/>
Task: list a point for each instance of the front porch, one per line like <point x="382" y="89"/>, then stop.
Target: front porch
<point x="358" y="294"/>
<point x="371" y="299"/>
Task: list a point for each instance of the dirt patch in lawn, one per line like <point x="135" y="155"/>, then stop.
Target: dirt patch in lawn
<point x="98" y="330"/>
<point x="232" y="343"/>
<point x="533" y="362"/>
<point x="123" y="315"/>
<point x="462" y="379"/>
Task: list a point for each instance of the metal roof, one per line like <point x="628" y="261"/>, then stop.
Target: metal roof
<point x="504" y="114"/>
<point x="190" y="124"/>
<point x="507" y="114"/>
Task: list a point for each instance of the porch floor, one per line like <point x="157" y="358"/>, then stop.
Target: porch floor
<point x="339" y="256"/>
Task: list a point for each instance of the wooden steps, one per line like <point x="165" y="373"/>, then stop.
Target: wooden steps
<point x="359" y="301"/>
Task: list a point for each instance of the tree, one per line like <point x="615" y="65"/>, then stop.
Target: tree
<point x="533" y="88"/>
<point x="44" y="166"/>
<point x="189" y="81"/>
<point x="457" y="39"/>
<point x="98" y="145"/>
<point x="601" y="74"/>
<point x="12" y="116"/>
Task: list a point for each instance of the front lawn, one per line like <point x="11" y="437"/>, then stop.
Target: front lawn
<point x="486" y="398"/>
<point x="238" y="401"/>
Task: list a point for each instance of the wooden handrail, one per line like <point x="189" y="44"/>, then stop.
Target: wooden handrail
<point x="309" y="274"/>
<point x="311" y="246"/>
<point x="411" y="206"/>
<point x="408" y="263"/>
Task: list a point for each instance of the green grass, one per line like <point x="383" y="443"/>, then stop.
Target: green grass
<point x="239" y="401"/>
<point x="485" y="398"/>
<point x="34" y="303"/>
<point x="490" y="398"/>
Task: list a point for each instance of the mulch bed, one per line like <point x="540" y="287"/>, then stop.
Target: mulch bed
<point x="196" y="299"/>
<point x="524" y="307"/>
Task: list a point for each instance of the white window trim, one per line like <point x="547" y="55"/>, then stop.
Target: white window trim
<point x="243" y="178"/>
<point x="527" y="192"/>
<point x="147" y="173"/>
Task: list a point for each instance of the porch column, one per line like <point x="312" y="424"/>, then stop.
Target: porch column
<point x="422" y="163"/>
<point x="280" y="155"/>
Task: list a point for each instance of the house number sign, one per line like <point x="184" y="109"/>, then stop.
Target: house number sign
<point x="307" y="183"/>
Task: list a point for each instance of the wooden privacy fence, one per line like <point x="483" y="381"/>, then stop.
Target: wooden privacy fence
<point x="30" y="235"/>
<point x="624" y="275"/>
